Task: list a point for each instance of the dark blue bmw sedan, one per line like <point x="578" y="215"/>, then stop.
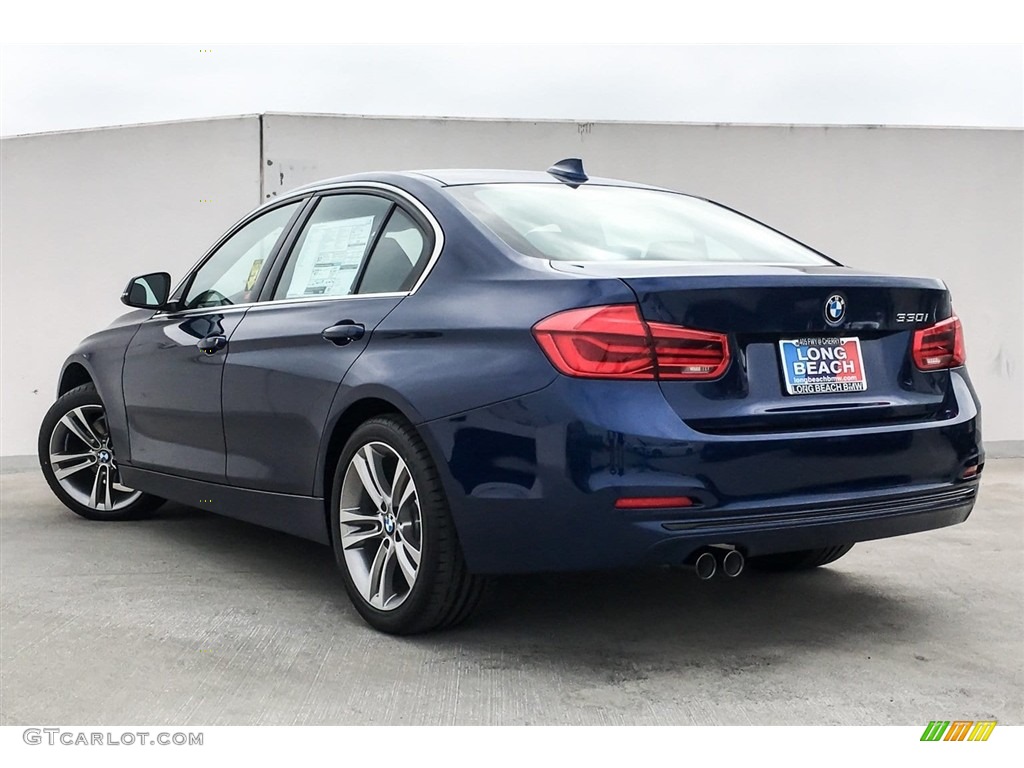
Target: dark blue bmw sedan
<point x="449" y="374"/>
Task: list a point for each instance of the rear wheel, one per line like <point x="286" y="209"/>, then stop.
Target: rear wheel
<point x="800" y="560"/>
<point x="79" y="462"/>
<point x="393" y="535"/>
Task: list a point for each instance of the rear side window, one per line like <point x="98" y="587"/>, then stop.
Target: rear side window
<point x="329" y="253"/>
<point x="614" y="224"/>
<point x="398" y="258"/>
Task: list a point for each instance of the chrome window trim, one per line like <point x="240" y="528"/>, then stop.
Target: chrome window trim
<point x="223" y="309"/>
<point x="316" y="299"/>
<point x="226" y="309"/>
<point x="299" y="195"/>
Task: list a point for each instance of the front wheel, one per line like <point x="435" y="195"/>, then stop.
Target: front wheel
<point x="801" y="560"/>
<point x="78" y="460"/>
<point x="393" y="535"/>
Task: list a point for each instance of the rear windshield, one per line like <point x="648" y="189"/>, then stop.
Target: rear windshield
<point x="595" y="223"/>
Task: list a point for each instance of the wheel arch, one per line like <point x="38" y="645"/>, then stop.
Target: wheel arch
<point x="75" y="374"/>
<point x="340" y="429"/>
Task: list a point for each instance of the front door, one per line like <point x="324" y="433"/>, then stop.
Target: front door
<point x="174" y="364"/>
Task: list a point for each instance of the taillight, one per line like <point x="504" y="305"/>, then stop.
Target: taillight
<point x="683" y="353"/>
<point x="615" y="342"/>
<point x="940" y="346"/>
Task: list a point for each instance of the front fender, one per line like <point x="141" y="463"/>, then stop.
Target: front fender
<point x="101" y="357"/>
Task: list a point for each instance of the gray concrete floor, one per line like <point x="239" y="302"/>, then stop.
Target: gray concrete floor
<point x="193" y="619"/>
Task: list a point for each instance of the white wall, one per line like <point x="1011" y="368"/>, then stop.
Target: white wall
<point x="943" y="202"/>
<point x="80" y="213"/>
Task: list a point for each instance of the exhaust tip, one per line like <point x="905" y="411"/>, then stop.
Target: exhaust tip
<point x="705" y="566"/>
<point x="732" y="563"/>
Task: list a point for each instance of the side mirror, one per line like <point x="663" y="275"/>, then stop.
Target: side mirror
<point x="147" y="291"/>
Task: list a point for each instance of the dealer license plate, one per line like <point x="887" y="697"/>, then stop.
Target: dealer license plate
<point x="822" y="366"/>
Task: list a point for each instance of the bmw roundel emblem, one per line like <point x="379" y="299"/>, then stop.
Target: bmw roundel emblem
<point x="835" y="309"/>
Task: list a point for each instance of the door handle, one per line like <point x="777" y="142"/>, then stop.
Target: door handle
<point x="212" y="344"/>
<point x="344" y="333"/>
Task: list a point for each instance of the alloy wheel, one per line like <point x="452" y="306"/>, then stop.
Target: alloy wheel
<point x="83" y="462"/>
<point x="381" y="525"/>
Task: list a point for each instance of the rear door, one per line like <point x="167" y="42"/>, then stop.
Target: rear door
<point x="353" y="260"/>
<point x="173" y="366"/>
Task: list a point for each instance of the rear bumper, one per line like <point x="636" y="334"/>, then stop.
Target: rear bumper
<point x="533" y="481"/>
<point x="821" y="523"/>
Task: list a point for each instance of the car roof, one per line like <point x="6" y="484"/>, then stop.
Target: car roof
<point x="450" y="177"/>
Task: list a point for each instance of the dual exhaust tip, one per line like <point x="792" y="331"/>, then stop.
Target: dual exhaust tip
<point x="705" y="563"/>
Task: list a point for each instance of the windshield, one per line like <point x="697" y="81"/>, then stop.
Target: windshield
<point x="595" y="223"/>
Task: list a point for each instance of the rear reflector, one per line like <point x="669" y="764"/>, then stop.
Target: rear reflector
<point x="615" y="342"/>
<point x="654" y="502"/>
<point x="940" y="346"/>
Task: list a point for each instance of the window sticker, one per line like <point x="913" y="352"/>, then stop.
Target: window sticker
<point x="330" y="257"/>
<point x="254" y="272"/>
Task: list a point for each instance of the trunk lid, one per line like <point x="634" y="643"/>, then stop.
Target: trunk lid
<point x="760" y="306"/>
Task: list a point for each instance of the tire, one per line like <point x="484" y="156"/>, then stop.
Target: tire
<point x="86" y="479"/>
<point x="801" y="560"/>
<point x="377" y="541"/>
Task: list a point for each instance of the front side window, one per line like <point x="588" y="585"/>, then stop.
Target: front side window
<point x="616" y="224"/>
<point x="328" y="255"/>
<point x="231" y="274"/>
